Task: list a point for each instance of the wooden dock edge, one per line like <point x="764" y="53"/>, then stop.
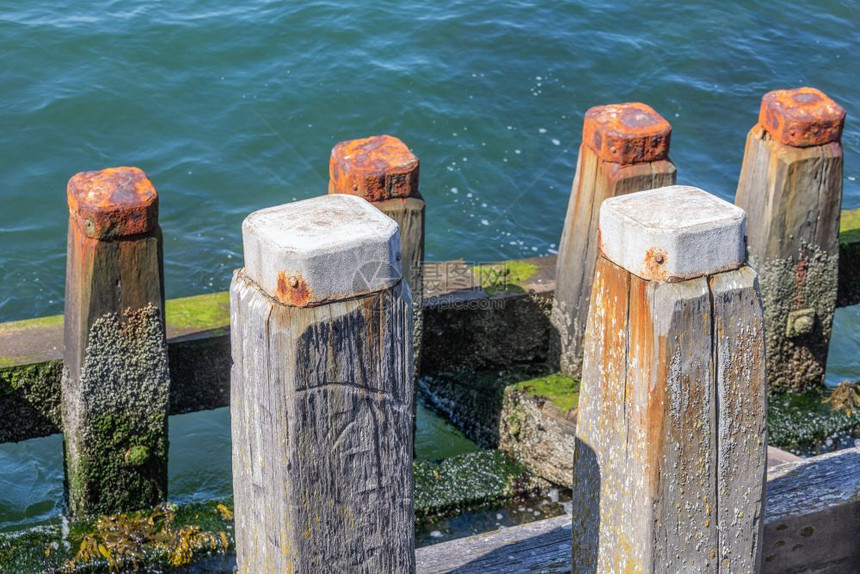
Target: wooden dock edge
<point x="812" y="524"/>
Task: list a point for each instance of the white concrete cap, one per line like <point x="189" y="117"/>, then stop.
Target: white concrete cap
<point x="328" y="248"/>
<point x="672" y="233"/>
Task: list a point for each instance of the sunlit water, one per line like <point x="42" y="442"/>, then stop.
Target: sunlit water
<point x="234" y="106"/>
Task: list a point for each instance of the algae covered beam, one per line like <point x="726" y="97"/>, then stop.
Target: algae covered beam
<point x="791" y="187"/>
<point x="322" y="391"/>
<point x="115" y="388"/>
<point x="670" y="451"/>
<point x="625" y="148"/>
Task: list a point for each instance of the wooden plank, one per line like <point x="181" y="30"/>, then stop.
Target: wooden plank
<point x="792" y="196"/>
<point x="321" y="400"/>
<point x="741" y="462"/>
<point x="811" y="525"/>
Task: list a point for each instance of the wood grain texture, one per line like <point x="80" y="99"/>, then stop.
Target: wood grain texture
<point x="653" y="409"/>
<point x="792" y="198"/>
<point x="811" y="525"/>
<point x="595" y="180"/>
<point x="409" y="215"/>
<point x="321" y="408"/>
<point x="114" y="411"/>
<point x="739" y="360"/>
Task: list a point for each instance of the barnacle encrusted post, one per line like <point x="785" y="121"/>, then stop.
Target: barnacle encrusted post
<point x="670" y="450"/>
<point x="115" y="376"/>
<point x="791" y="188"/>
<point x="383" y="170"/>
<point x="625" y="148"/>
<point x="321" y="391"/>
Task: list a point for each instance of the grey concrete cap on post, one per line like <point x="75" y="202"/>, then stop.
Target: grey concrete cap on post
<point x="672" y="233"/>
<point x="328" y="248"/>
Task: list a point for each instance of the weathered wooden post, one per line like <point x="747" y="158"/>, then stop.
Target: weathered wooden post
<point x="115" y="375"/>
<point x="625" y="148"/>
<point x="321" y="391"/>
<point x="669" y="459"/>
<point x="791" y="188"/>
<point x="382" y="170"/>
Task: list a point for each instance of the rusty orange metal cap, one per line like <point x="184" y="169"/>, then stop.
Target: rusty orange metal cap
<point x="627" y="133"/>
<point x="114" y="202"/>
<point x="801" y="117"/>
<point x="375" y="168"/>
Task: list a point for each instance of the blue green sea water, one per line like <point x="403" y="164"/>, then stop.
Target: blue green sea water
<point x="234" y="106"/>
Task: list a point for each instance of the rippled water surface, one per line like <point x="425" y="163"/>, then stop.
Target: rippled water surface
<point x="233" y="106"/>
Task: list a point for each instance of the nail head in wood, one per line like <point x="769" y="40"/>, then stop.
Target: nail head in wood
<point x="113" y="202"/>
<point x="627" y="133"/>
<point x="672" y="233"/>
<point x="328" y="248"/>
<point x="376" y="168"/>
<point x="802" y="117"/>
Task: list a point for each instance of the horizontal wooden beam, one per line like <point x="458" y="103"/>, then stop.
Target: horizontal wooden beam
<point x="811" y="525"/>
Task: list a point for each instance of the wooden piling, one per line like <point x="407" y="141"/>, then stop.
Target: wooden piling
<point x="115" y="387"/>
<point x="382" y="170"/>
<point x="791" y="188"/>
<point x="321" y="391"/>
<point x="625" y="148"/>
<point x="670" y="451"/>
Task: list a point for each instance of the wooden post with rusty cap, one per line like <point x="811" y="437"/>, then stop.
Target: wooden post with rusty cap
<point x="670" y="450"/>
<point x="382" y="170"/>
<point x="791" y="188"/>
<point x="625" y="148"/>
<point x="321" y="391"/>
<point x="115" y="387"/>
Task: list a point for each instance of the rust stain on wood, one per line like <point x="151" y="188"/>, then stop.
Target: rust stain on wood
<point x="627" y="133"/>
<point x="654" y="264"/>
<point x="802" y="117"/>
<point x="292" y="290"/>
<point x="375" y="168"/>
<point x="113" y="202"/>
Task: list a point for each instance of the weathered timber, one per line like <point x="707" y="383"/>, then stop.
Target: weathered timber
<point x="670" y="451"/>
<point x="115" y="387"/>
<point x="322" y="391"/>
<point x="791" y="187"/>
<point x="811" y="524"/>
<point x="624" y="149"/>
<point x="463" y="330"/>
<point x="382" y="170"/>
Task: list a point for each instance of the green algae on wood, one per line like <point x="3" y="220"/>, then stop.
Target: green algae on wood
<point x="199" y="312"/>
<point x="30" y="398"/>
<point x="505" y="277"/>
<point x="849" y="227"/>
<point x="467" y="482"/>
<point x="561" y="390"/>
<point x="805" y="423"/>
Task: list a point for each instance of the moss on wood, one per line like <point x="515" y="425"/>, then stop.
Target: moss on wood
<point x="849" y="227"/>
<point x="505" y="277"/>
<point x="807" y="423"/>
<point x="561" y="390"/>
<point x="200" y="312"/>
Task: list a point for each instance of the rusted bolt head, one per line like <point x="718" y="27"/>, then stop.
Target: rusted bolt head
<point x="376" y="168"/>
<point x="802" y="117"/>
<point x="627" y="133"/>
<point x="114" y="202"/>
<point x="294" y="282"/>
